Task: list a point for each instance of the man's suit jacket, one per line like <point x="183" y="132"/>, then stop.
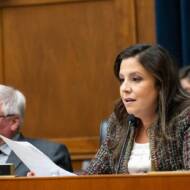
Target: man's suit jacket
<point x="58" y="153"/>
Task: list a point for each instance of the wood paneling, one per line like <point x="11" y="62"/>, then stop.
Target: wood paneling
<point x="62" y="59"/>
<point x="14" y="3"/>
<point x="145" y="21"/>
<point x="1" y="49"/>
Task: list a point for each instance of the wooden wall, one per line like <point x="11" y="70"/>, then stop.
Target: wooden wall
<point x="60" y="54"/>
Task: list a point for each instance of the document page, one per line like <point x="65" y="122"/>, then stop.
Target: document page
<point x="34" y="159"/>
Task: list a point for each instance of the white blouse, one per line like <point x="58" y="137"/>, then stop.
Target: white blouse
<point x="139" y="161"/>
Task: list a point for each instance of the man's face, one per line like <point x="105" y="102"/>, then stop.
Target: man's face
<point x="8" y="125"/>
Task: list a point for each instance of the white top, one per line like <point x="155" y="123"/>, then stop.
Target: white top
<point x="139" y="161"/>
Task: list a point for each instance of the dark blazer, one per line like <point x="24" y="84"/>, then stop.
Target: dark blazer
<point x="58" y="153"/>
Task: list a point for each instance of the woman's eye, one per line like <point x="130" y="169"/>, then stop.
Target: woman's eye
<point x="121" y="80"/>
<point x="136" y="79"/>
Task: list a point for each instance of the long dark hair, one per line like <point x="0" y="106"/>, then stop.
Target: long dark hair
<point x="172" y="99"/>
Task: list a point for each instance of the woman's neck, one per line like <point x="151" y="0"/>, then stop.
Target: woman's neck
<point x="147" y="121"/>
<point x="141" y="135"/>
<point x="141" y="132"/>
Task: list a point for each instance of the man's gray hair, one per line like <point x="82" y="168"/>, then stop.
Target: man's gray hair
<point x="12" y="101"/>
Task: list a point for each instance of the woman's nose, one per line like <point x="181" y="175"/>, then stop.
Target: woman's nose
<point x="125" y="87"/>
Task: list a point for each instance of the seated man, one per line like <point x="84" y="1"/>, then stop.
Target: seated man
<point x="12" y="108"/>
<point x="184" y="75"/>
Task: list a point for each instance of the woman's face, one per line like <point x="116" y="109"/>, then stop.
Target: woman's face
<point x="137" y="90"/>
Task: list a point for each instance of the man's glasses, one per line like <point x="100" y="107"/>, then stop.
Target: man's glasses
<point x="9" y="115"/>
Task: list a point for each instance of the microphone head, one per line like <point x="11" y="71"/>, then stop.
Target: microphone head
<point x="132" y="121"/>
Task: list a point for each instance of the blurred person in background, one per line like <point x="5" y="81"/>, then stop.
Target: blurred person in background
<point x="184" y="75"/>
<point x="12" y="109"/>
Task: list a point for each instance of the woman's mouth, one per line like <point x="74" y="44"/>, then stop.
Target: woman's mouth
<point x="127" y="100"/>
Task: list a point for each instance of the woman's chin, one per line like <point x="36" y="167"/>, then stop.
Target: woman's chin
<point x="132" y="112"/>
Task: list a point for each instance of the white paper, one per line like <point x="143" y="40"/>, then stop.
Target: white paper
<point x="34" y="159"/>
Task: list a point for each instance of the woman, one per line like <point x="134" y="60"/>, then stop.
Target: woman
<point x="158" y="137"/>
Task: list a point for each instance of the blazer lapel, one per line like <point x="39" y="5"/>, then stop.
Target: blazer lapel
<point x="14" y="159"/>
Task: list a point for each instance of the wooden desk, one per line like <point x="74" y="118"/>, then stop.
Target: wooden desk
<point x="166" y="181"/>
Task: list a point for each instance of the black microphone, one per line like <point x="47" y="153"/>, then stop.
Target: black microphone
<point x="132" y="122"/>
